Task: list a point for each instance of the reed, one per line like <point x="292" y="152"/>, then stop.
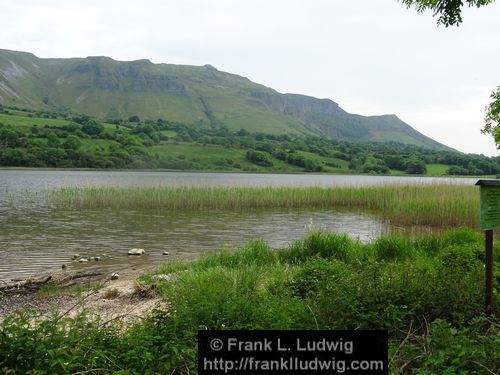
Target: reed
<point x="434" y="205"/>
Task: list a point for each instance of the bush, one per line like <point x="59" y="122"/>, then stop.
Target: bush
<point x="260" y="158"/>
<point x="92" y="127"/>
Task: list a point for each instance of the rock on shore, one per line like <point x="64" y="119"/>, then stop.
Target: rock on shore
<point x="136" y="252"/>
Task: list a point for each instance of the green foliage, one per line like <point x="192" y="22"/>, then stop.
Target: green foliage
<point x="92" y="127"/>
<point x="10" y="137"/>
<point x="492" y="120"/>
<point x="63" y="345"/>
<point x="72" y="143"/>
<point x="171" y="145"/>
<point x="323" y="245"/>
<point x="395" y="247"/>
<point x="448" y="11"/>
<point x="374" y="165"/>
<point x="256" y="253"/>
<point x="14" y="157"/>
<point x="430" y="300"/>
<point x="259" y="158"/>
<point x="134" y="118"/>
<point x="415" y="165"/>
<point x="446" y="349"/>
<point x="52" y="139"/>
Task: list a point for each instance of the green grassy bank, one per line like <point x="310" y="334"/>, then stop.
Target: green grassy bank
<point x="428" y="292"/>
<point x="434" y="205"/>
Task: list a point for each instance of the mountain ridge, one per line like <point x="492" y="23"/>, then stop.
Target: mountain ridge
<point x="108" y="89"/>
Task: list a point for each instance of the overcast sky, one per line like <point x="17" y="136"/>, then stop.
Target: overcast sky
<point x="372" y="57"/>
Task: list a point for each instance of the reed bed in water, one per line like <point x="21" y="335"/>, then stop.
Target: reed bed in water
<point x="434" y="205"/>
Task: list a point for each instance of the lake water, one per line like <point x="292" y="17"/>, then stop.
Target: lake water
<point x="36" y="239"/>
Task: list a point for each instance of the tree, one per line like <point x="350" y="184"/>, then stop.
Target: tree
<point x="415" y="165"/>
<point x="259" y="158"/>
<point x="92" y="127"/>
<point x="72" y="143"/>
<point x="374" y="165"/>
<point x="448" y="11"/>
<point x="9" y="138"/>
<point x="492" y="119"/>
<point x="13" y="157"/>
<point x="52" y="139"/>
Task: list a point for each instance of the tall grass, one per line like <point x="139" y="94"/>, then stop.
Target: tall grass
<point x="435" y="205"/>
<point x="328" y="281"/>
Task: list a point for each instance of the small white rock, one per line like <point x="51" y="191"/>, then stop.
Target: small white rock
<point x="83" y="260"/>
<point x="166" y="253"/>
<point x="136" y="252"/>
<point x="115" y="276"/>
<point x="161" y="277"/>
<point x="97" y="259"/>
<point x="75" y="256"/>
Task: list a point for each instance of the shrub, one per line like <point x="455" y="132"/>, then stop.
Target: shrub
<point x="260" y="158"/>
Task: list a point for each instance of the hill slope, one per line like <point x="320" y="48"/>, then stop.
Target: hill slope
<point x="109" y="89"/>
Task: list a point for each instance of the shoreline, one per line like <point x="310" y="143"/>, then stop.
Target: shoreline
<point x="201" y="171"/>
<point x="103" y="296"/>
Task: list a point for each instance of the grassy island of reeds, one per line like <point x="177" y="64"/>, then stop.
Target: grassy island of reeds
<point x="431" y="205"/>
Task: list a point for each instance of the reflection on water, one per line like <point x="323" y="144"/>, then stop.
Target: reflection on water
<point x="44" y="241"/>
<point x="34" y="238"/>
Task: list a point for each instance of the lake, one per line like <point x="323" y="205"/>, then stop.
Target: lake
<point x="38" y="239"/>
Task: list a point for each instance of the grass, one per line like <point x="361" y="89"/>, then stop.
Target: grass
<point x="434" y="205"/>
<point x="427" y="292"/>
<point x="95" y="144"/>
<point x="212" y="157"/>
<point x="328" y="281"/>
<point x="23" y="123"/>
<point x="437" y="169"/>
<point x="53" y="289"/>
<point x="205" y="156"/>
<point x="26" y="121"/>
<point x="111" y="294"/>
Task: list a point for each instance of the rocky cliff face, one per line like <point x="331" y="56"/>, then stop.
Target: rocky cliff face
<point x="109" y="75"/>
<point x="297" y="105"/>
<point x="103" y="87"/>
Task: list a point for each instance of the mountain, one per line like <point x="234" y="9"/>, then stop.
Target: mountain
<point x="109" y="89"/>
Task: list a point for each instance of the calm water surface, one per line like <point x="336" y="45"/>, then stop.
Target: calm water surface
<point x="36" y="239"/>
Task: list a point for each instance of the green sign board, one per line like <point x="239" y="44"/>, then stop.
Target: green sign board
<point x="490" y="207"/>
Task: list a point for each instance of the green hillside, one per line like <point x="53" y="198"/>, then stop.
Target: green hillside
<point x="194" y="95"/>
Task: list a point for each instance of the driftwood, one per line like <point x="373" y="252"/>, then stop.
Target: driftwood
<point x="26" y="285"/>
<point x="30" y="285"/>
